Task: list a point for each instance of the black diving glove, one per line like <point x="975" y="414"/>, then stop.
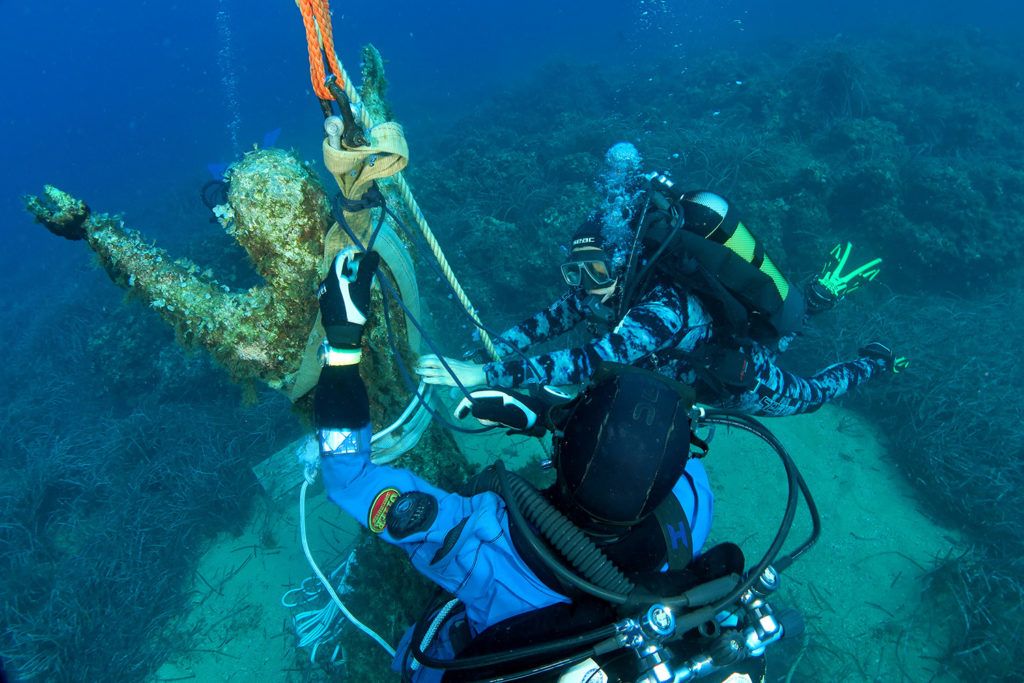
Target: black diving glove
<point x="501" y="408"/>
<point x="344" y="304"/>
<point x="879" y="351"/>
<point x="521" y="413"/>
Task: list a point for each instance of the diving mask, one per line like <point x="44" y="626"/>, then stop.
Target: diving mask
<point x="590" y="273"/>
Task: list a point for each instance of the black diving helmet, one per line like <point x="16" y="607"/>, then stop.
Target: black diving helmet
<point x="621" y="449"/>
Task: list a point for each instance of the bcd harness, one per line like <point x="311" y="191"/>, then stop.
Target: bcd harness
<point x="697" y="239"/>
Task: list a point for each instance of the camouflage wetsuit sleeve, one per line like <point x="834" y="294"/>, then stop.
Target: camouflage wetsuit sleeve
<point x="556" y="319"/>
<point x="665" y="318"/>
<point x="779" y="392"/>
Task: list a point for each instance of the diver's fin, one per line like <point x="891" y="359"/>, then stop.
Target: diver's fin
<point x="838" y="283"/>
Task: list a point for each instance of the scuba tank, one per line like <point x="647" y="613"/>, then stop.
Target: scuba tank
<point x="696" y="239"/>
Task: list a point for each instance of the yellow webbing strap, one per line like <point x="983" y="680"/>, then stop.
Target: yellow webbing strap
<point x="356" y="169"/>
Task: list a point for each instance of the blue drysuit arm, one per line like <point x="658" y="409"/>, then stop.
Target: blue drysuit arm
<point x="461" y="543"/>
<point x="465" y="548"/>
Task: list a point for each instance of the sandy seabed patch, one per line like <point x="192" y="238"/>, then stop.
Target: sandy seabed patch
<point x="859" y="588"/>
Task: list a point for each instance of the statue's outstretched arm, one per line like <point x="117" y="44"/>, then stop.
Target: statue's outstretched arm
<point x="277" y="211"/>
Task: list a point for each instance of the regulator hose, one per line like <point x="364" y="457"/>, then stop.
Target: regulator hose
<point x="494" y="659"/>
<point x="749" y="424"/>
<point x="796" y="485"/>
<point x="601" y="578"/>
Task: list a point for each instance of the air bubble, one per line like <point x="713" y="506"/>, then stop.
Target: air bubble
<point x="228" y="77"/>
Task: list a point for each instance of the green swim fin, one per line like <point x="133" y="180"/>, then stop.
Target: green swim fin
<point x="838" y="283"/>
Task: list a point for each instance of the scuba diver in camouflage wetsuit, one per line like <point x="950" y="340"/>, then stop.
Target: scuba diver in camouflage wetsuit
<point x="696" y="299"/>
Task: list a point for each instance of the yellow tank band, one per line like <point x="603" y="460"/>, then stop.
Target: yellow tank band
<point x="742" y="243"/>
<point x="781" y="284"/>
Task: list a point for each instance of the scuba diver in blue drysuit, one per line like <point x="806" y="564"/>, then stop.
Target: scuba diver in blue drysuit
<point x="694" y="298"/>
<point x="630" y="509"/>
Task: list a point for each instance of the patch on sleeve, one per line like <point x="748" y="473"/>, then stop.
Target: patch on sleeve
<point x="377" y="517"/>
<point x="413" y="512"/>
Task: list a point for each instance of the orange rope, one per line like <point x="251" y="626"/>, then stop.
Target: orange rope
<point x="317" y="14"/>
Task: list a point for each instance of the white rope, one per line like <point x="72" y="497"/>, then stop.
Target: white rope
<point x="327" y="584"/>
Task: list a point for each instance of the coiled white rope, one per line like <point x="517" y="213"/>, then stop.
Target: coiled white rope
<point x="315" y="627"/>
<point x="327" y="584"/>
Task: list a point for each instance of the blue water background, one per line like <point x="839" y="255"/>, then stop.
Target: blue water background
<point x="122" y="103"/>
